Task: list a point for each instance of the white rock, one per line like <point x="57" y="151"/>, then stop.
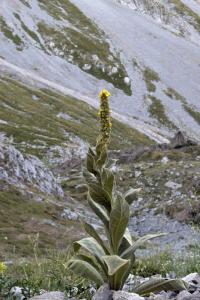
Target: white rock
<point x="17" y="293"/>
<point x="64" y="116"/>
<point x="127" y="80"/>
<point x="119" y="295"/>
<point x="86" y="67"/>
<point x="50" y="296"/>
<point x="164" y="160"/>
<point x="52" y="44"/>
<point x="70" y="215"/>
<point x="173" y="185"/>
<point x="114" y="70"/>
<point x="138" y="174"/>
<point x="192" y="277"/>
<point x="95" y="57"/>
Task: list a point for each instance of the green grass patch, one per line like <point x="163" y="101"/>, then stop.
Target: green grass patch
<point x="31" y="33"/>
<point x="194" y="113"/>
<point x="9" y="34"/>
<point x="26" y="3"/>
<point x="175" y="95"/>
<point x="23" y="217"/>
<point x="157" y="111"/>
<point x="150" y="78"/>
<point x="35" y="123"/>
<point x="184" y="10"/>
<point x="78" y="48"/>
<point x="166" y="262"/>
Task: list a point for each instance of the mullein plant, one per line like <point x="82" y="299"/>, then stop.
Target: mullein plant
<point x="110" y="259"/>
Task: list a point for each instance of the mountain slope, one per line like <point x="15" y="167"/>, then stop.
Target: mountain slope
<point x="55" y="57"/>
<point x="150" y="50"/>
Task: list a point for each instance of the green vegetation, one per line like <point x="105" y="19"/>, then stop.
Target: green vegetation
<point x="21" y="218"/>
<point x="157" y="111"/>
<point x="192" y="111"/>
<point x="31" y="33"/>
<point x="50" y="272"/>
<point x="150" y="77"/>
<point x="165" y="263"/>
<point x="80" y="42"/>
<point x="26" y="3"/>
<point x="32" y="119"/>
<point x="47" y="272"/>
<point x="9" y="34"/>
<point x="110" y="260"/>
<point x="184" y="10"/>
<point x="79" y="48"/>
<point x="173" y="94"/>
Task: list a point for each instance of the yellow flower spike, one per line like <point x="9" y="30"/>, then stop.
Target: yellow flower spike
<point x="104" y="94"/>
<point x="3" y="268"/>
<point x="105" y="119"/>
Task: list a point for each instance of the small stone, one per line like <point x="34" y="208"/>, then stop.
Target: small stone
<point x="192" y="278"/>
<point x="120" y="295"/>
<point x="103" y="293"/>
<point x="50" y="296"/>
<point x="87" y="67"/>
<point x="164" y="160"/>
<point x="127" y="81"/>
<point x="173" y="185"/>
<point x="185" y="295"/>
<point x="114" y="70"/>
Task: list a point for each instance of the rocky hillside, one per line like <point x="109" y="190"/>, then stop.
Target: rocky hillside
<point x="149" y="60"/>
<point x="55" y="57"/>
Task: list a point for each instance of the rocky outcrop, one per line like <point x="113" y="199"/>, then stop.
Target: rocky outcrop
<point x="26" y="170"/>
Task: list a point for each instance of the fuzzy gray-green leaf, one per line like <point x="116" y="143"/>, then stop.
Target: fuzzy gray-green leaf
<point x="86" y="270"/>
<point x="100" y="211"/>
<point x="108" y="180"/>
<point x="140" y="242"/>
<point x="93" y="233"/>
<point x="160" y="284"/>
<point x="117" y="268"/>
<point x="91" y="245"/>
<point x="131" y="195"/>
<point x="119" y="219"/>
<point x="100" y="196"/>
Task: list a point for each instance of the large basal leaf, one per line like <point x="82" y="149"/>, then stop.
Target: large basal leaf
<point x="159" y="284"/>
<point x="93" y="233"/>
<point x="89" y="244"/>
<point x="128" y="271"/>
<point x="140" y="242"/>
<point x="100" y="212"/>
<point x="100" y="196"/>
<point x="88" y="259"/>
<point x="119" y="218"/>
<point x="108" y="180"/>
<point x="117" y="268"/>
<point x="132" y="195"/>
<point x="86" y="270"/>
